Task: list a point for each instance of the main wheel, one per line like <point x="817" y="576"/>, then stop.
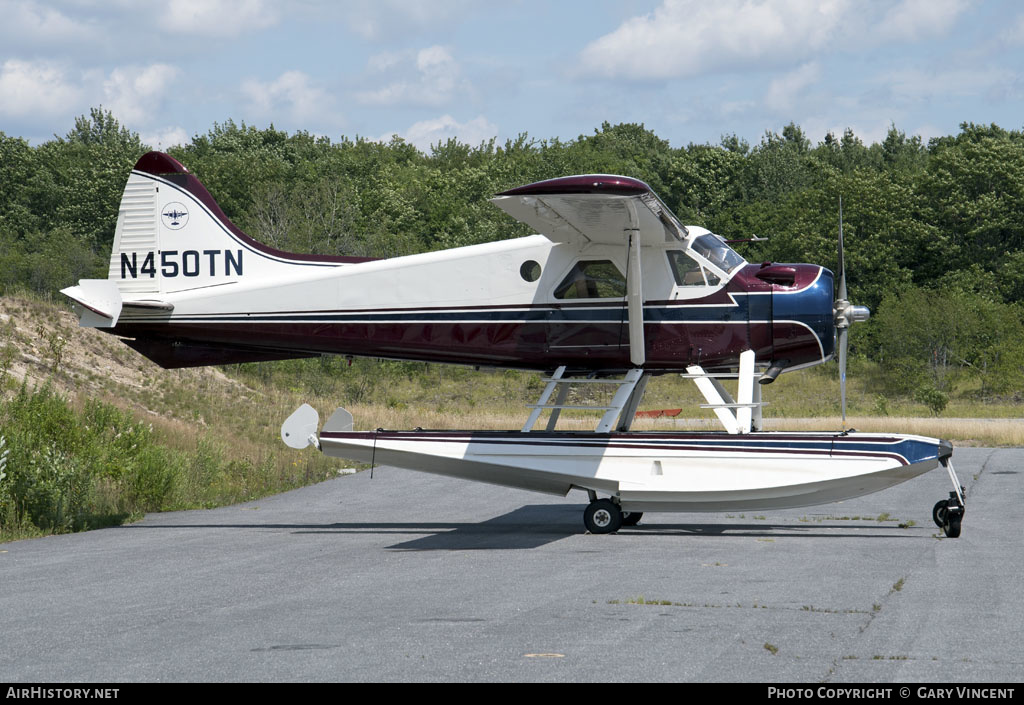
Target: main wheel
<point x="602" y="517"/>
<point x="939" y="512"/>
<point x="631" y="518"/>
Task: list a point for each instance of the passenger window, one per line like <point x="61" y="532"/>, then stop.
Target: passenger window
<point x="688" y="271"/>
<point x="594" y="279"/>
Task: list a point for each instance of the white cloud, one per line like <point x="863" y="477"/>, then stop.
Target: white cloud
<point x="1014" y="33"/>
<point x="920" y="19"/>
<point x="227" y="18"/>
<point x="33" y="22"/>
<point x="785" y="91"/>
<point x="165" y="137"/>
<point x="385" y="61"/>
<point x="36" y="88"/>
<point x="684" y="38"/>
<point x="133" y="93"/>
<point x="380" y="19"/>
<point x="427" y="133"/>
<point x="915" y="85"/>
<point x="293" y="94"/>
<point x="436" y="80"/>
<point x="927" y="131"/>
<point x="45" y="89"/>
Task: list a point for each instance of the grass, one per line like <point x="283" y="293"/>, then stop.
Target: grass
<point x="439" y="397"/>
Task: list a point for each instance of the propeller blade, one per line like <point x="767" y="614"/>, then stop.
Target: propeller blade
<point x="843" y="333"/>
<point x="842" y="265"/>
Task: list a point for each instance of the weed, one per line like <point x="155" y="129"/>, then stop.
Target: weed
<point x="643" y="601"/>
<point x="771" y="648"/>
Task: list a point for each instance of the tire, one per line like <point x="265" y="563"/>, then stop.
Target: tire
<point x="631" y="518"/>
<point x="939" y="512"/>
<point x="602" y="517"/>
<point x="952" y="528"/>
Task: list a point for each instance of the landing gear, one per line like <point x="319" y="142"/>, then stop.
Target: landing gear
<point x="602" y="516"/>
<point x="631" y="518"/>
<point x="947" y="515"/>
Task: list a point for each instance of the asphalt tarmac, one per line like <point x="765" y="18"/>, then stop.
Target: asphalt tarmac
<point x="412" y="577"/>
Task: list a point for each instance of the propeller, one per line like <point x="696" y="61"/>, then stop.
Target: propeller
<point x="844" y="313"/>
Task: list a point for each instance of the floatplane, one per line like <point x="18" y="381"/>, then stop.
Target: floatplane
<point x="613" y="290"/>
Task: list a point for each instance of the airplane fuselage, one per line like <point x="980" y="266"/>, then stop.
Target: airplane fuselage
<point x="479" y="309"/>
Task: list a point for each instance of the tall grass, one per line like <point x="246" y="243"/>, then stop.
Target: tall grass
<point x="68" y="468"/>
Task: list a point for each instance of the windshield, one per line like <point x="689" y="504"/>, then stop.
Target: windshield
<point x="714" y="250"/>
<point x="689" y="272"/>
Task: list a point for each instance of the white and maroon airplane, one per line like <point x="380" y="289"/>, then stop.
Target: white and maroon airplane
<point x="614" y="289"/>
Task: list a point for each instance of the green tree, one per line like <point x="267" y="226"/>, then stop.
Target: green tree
<point x="87" y="169"/>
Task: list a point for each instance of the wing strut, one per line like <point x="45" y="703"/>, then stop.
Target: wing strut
<point x="634" y="291"/>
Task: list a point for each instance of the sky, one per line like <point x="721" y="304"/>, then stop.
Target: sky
<point x="429" y="70"/>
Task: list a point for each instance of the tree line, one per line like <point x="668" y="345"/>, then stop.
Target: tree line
<point x="934" y="231"/>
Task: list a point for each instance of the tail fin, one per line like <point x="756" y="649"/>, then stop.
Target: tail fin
<point x="172" y="237"/>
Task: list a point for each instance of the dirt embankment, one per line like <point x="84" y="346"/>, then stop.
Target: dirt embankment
<point x="41" y="342"/>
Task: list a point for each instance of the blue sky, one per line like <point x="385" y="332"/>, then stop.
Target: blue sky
<point x="434" y="69"/>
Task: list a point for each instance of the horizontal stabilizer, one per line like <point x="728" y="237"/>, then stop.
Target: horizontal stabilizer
<point x="100" y="301"/>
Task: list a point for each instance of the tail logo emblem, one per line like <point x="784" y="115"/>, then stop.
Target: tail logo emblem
<point x="175" y="216"/>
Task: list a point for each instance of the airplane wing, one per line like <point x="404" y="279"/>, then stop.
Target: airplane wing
<point x="598" y="208"/>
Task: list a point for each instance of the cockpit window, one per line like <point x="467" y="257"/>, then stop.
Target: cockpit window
<point x="689" y="272"/>
<point x="592" y="279"/>
<point x="712" y="248"/>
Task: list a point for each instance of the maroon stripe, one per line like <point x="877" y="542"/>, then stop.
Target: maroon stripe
<point x="592" y="183"/>
<point x="529" y="345"/>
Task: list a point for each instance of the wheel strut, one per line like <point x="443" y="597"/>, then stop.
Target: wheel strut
<point x="948" y="513"/>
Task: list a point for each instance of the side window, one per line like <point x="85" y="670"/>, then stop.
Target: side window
<point x="688" y="271"/>
<point x="593" y="279"/>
